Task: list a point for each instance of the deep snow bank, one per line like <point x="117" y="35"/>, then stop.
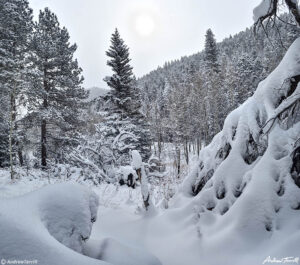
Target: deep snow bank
<point x="245" y="184"/>
<point x="47" y="224"/>
<point x="52" y="226"/>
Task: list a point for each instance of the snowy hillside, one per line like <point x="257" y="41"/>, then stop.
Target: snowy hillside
<point x="246" y="183"/>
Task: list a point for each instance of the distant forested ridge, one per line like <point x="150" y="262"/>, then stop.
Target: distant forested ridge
<point x="186" y="103"/>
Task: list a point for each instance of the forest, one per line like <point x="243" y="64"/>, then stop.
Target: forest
<point x="196" y="162"/>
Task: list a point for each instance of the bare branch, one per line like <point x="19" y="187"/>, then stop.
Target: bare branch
<point x="293" y="7"/>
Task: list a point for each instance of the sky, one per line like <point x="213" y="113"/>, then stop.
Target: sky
<point x="156" y="31"/>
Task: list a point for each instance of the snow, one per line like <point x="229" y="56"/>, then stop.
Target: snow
<point x="136" y="160"/>
<point x="262" y="9"/>
<point x="125" y="171"/>
<point x="116" y="253"/>
<point x="48" y="224"/>
<point x="238" y="205"/>
<point x="250" y="201"/>
<point x="53" y="224"/>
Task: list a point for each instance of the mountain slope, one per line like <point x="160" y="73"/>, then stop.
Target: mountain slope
<point x="246" y="183"/>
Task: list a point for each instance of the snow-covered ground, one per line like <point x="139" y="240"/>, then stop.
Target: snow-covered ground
<point x="51" y="225"/>
<point x="240" y="205"/>
<point x="122" y="228"/>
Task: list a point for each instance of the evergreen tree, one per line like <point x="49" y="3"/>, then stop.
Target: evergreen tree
<point x="124" y="127"/>
<point x="142" y="126"/>
<point x="122" y="77"/>
<point x="244" y="74"/>
<point x="16" y="26"/>
<point x="4" y="129"/>
<point x="212" y="76"/>
<point x="210" y="84"/>
<point x="210" y="51"/>
<point x="57" y="95"/>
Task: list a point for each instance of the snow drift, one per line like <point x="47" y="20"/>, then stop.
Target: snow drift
<point x="52" y="225"/>
<point x="246" y="183"/>
<point x="48" y="224"/>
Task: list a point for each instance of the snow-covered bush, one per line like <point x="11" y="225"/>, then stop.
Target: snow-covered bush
<point x="127" y="175"/>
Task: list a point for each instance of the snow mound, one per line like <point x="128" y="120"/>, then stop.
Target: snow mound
<point x="69" y="213"/>
<point x="52" y="225"/>
<point x="48" y="224"/>
<point x="246" y="182"/>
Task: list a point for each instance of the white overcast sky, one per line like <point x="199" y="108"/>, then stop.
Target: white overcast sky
<point x="179" y="28"/>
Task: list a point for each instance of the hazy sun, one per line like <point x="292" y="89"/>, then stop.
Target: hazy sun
<point x="144" y="25"/>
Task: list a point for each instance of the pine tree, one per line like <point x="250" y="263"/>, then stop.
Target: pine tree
<point x="16" y="26"/>
<point x="57" y="95"/>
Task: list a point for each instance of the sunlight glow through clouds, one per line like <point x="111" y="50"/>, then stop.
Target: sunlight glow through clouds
<point x="144" y="25"/>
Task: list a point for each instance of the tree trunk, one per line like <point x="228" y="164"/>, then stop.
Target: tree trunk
<point x="11" y="129"/>
<point x="44" y="124"/>
<point x="159" y="145"/>
<point x="43" y="143"/>
<point x="178" y="159"/>
<point x="186" y="151"/>
<point x="11" y="139"/>
<point x="198" y="146"/>
<point x="20" y="155"/>
<point x="44" y="139"/>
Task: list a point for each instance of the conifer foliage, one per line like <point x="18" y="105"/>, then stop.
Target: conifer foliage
<point x="211" y="52"/>
<point x="16" y="26"/>
<point x="57" y="94"/>
<point x="187" y="100"/>
<point x="122" y="77"/>
<point x="124" y="127"/>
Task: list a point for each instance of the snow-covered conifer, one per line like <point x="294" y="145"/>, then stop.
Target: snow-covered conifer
<point x="16" y="26"/>
<point x="57" y="95"/>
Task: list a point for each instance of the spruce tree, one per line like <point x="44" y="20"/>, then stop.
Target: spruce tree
<point x="213" y="100"/>
<point x="57" y="95"/>
<point x="120" y="81"/>
<point x="124" y="127"/>
<point x="211" y="52"/>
